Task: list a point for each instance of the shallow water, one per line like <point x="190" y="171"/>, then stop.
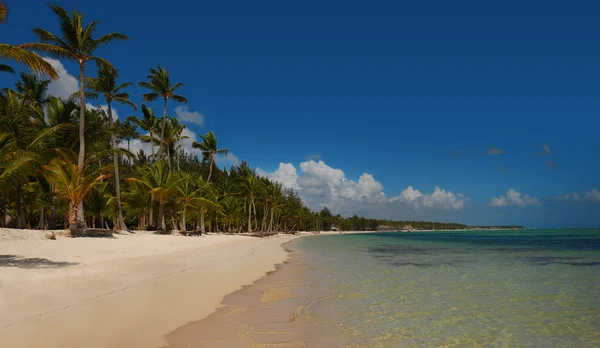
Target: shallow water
<point x="506" y="288"/>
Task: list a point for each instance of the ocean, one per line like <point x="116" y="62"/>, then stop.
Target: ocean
<point x="530" y="288"/>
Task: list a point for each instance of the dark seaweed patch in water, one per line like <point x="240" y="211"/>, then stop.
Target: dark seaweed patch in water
<point x="424" y="265"/>
<point x="402" y="255"/>
<point x="558" y="260"/>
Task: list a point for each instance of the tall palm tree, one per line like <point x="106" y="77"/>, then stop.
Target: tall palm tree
<point x="106" y="84"/>
<point x="76" y="43"/>
<point x="209" y="149"/>
<point x="159" y="84"/>
<point x="148" y="123"/>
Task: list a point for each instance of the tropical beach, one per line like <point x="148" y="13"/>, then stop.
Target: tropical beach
<point x="127" y="291"/>
<point x="298" y="175"/>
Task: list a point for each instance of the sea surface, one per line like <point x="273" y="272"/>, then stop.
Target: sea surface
<point x="530" y="288"/>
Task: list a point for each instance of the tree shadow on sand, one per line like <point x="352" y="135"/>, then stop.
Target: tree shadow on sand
<point x="31" y="262"/>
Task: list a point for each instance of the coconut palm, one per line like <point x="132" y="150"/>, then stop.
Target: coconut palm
<point x="76" y="43"/>
<point x="106" y="84"/>
<point x="249" y="187"/>
<point x="209" y="149"/>
<point x="148" y="123"/>
<point x="128" y="131"/>
<point x="25" y="145"/>
<point x="161" y="183"/>
<point x="172" y="136"/>
<point x="231" y="207"/>
<point x="31" y="89"/>
<point x="159" y="84"/>
<point x="73" y="184"/>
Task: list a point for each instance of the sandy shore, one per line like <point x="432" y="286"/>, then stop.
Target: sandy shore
<point x="128" y="291"/>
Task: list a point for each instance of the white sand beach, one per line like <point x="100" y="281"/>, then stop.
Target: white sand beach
<point x="126" y="291"/>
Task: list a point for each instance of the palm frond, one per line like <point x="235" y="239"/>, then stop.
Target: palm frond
<point x="6" y="68"/>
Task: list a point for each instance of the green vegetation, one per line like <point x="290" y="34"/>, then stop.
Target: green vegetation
<point x="63" y="165"/>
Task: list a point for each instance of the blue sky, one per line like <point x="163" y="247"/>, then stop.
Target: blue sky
<point x="459" y="96"/>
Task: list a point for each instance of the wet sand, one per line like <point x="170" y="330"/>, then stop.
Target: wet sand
<point x="278" y="310"/>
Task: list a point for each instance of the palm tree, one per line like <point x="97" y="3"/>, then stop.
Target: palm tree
<point x="76" y="44"/>
<point x="161" y="183"/>
<point x="209" y="149"/>
<point x="25" y="144"/>
<point x="172" y="137"/>
<point x="32" y="89"/>
<point x="249" y="187"/>
<point x="106" y="83"/>
<point x="160" y="86"/>
<point x="72" y="184"/>
<point x="148" y="123"/>
<point x="128" y="131"/>
<point x="231" y="208"/>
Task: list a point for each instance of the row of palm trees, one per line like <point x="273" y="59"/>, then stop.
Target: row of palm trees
<point x="45" y="183"/>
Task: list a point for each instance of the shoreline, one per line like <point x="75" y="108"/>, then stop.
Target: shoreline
<point x="127" y="291"/>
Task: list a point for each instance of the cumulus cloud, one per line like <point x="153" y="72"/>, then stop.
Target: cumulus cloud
<point x="227" y="160"/>
<point x="513" y="197"/>
<point x="186" y="115"/>
<point x="286" y="174"/>
<point x="320" y="185"/>
<point x="593" y="195"/>
<point x="65" y="85"/>
<point x="494" y="151"/>
<point x="438" y="198"/>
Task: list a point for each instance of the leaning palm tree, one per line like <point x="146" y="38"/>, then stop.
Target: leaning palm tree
<point x="249" y="186"/>
<point x="159" y="84"/>
<point x="106" y="84"/>
<point x="209" y="149"/>
<point x="75" y="43"/>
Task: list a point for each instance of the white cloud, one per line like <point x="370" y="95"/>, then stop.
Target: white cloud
<point x="227" y="160"/>
<point x="186" y="115"/>
<point x="494" y="151"/>
<point x="593" y="195"/>
<point x="286" y="175"/>
<point x="575" y="196"/>
<point x="513" y="197"/>
<point x="65" y="85"/>
<point x="499" y="201"/>
<point x="320" y="185"/>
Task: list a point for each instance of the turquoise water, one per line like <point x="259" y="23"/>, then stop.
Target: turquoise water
<point x="479" y="288"/>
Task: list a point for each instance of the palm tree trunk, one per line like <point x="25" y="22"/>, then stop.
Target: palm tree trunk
<point x="162" y="133"/>
<point x="72" y="219"/>
<point x="202" y="227"/>
<point x="270" y="228"/>
<point x="263" y="225"/>
<point x="42" y="225"/>
<point x="249" y="218"/>
<point x="183" y="228"/>
<point x="212" y="160"/>
<point x="152" y="146"/>
<point x="21" y="223"/>
<point x="120" y="222"/>
<point x="129" y="150"/>
<point x="255" y="215"/>
<point x="81" y="158"/>
<point x="162" y="226"/>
